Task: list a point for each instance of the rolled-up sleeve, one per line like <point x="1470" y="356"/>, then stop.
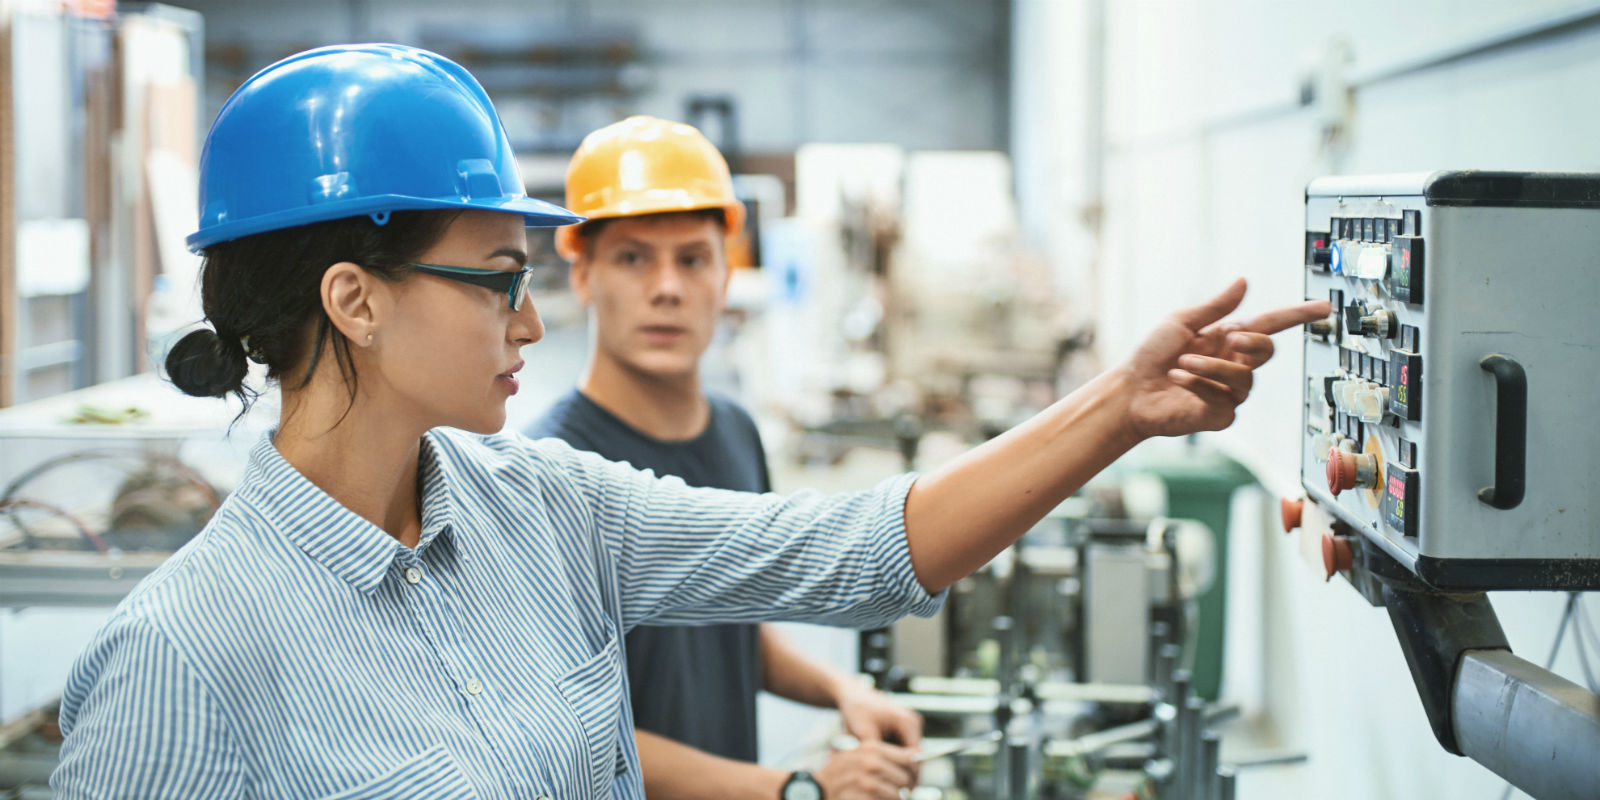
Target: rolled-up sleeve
<point x="139" y="723"/>
<point x="689" y="555"/>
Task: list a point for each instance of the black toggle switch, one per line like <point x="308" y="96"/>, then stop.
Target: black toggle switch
<point x="1352" y="318"/>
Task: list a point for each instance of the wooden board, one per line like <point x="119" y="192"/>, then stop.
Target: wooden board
<point x="8" y="219"/>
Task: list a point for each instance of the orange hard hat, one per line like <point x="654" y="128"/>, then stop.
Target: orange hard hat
<point x="644" y="165"/>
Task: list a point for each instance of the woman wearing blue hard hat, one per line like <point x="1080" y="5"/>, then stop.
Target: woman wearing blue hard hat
<point x="395" y="602"/>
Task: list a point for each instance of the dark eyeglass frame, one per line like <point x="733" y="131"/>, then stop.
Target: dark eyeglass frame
<point x="514" y="284"/>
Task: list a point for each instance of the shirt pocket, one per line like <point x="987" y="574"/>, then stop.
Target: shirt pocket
<point x="432" y="774"/>
<point x="593" y="691"/>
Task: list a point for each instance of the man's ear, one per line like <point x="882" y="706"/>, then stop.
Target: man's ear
<point x="578" y="276"/>
<point x="350" y="298"/>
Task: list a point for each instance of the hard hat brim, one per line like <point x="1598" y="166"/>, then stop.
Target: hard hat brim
<point x="535" y="213"/>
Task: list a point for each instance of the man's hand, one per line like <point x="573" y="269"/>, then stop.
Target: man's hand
<point x="872" y="771"/>
<point x="1193" y="370"/>
<point x="870" y="716"/>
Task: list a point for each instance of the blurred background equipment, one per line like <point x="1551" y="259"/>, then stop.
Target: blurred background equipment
<point x="1066" y="668"/>
<point x="97" y="488"/>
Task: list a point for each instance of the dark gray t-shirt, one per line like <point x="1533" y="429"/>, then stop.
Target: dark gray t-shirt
<point x="695" y="685"/>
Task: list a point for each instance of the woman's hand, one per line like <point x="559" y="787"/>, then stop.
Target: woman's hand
<point x="1193" y="370"/>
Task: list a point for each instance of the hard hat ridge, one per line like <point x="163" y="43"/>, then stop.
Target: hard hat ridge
<point x="348" y="130"/>
<point x="644" y="165"/>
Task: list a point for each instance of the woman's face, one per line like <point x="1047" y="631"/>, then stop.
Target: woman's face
<point x="449" y="351"/>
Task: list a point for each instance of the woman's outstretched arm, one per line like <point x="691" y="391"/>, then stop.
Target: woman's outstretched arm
<point x="1189" y="375"/>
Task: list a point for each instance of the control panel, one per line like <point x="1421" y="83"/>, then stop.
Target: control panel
<point x="1449" y="400"/>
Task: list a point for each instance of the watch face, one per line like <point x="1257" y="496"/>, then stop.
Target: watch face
<point x="802" y="788"/>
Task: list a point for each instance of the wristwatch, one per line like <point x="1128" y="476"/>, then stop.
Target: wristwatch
<point x="801" y="786"/>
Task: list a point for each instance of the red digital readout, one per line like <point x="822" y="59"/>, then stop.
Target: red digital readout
<point x="1397" y="487"/>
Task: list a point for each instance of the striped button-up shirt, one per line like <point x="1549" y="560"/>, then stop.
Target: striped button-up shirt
<point x="295" y="650"/>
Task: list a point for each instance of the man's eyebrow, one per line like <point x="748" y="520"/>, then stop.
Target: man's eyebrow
<point x="512" y="253"/>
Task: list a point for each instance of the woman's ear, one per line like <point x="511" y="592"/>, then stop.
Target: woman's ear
<point x="351" y="298"/>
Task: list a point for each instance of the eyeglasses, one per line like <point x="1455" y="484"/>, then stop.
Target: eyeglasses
<point x="514" y="284"/>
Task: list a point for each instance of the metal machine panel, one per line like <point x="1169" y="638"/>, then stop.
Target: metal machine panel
<point x="1117" y="613"/>
<point x="1406" y="424"/>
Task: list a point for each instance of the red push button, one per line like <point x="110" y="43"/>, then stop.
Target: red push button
<point x="1348" y="470"/>
<point x="1337" y="556"/>
<point x="1290" y="511"/>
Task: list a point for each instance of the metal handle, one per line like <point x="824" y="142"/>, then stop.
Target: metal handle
<point x="1510" y="432"/>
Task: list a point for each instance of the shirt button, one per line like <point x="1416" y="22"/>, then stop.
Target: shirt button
<point x="474" y="687"/>
<point x="413" y="575"/>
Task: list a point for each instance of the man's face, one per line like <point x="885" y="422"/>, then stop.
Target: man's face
<point x="657" y="284"/>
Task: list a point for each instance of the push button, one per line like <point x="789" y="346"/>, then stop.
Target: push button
<point x="1318" y="252"/>
<point x="1381" y="324"/>
<point x="1348" y="470"/>
<point x="1290" y="512"/>
<point x="1337" y="555"/>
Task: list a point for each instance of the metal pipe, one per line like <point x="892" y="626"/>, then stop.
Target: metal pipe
<point x="1226" y="782"/>
<point x="1100" y="740"/>
<point x="1022" y="788"/>
<point x="1210" y="759"/>
<point x="1183" y="721"/>
<point x="1193" y="752"/>
<point x="1536" y="729"/>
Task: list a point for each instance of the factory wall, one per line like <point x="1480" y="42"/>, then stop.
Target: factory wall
<point x="1188" y="168"/>
<point x="921" y="74"/>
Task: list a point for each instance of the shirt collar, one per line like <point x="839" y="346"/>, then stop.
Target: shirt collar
<point x="344" y="542"/>
<point x="438" y="496"/>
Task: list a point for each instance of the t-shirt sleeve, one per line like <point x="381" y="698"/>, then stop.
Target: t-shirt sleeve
<point x="690" y="556"/>
<point x="139" y="723"/>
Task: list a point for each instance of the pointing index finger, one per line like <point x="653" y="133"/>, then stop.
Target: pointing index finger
<point x="1282" y="319"/>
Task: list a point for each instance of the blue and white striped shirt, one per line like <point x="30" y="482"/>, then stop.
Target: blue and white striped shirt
<point x="296" y="650"/>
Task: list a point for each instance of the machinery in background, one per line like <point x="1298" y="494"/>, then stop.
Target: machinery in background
<point x="1444" y="449"/>
<point x="97" y="488"/>
<point x="1062" y="668"/>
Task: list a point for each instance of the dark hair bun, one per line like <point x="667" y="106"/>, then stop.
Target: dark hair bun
<point x="204" y="364"/>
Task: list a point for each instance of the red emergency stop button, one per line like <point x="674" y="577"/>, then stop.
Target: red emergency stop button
<point x="1348" y="470"/>
<point x="1290" y="511"/>
<point x="1337" y="556"/>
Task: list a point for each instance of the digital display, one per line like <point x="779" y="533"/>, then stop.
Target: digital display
<point x="1400" y="499"/>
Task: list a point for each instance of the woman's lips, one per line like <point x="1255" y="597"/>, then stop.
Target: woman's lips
<point x="508" y="379"/>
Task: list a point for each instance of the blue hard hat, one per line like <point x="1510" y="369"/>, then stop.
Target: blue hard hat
<point x="349" y="130"/>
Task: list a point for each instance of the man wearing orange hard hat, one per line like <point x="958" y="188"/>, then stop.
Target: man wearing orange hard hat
<point x="652" y="263"/>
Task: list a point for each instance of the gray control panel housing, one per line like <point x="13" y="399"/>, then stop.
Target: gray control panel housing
<point x="1430" y="274"/>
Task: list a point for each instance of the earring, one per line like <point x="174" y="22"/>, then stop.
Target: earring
<point x="369" y="337"/>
